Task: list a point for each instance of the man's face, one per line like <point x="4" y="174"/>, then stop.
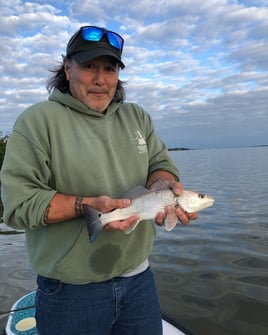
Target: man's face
<point x="93" y="83"/>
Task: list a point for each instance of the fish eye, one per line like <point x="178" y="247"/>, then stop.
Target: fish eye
<point x="201" y="196"/>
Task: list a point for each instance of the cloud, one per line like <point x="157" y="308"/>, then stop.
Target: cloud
<point x="199" y="68"/>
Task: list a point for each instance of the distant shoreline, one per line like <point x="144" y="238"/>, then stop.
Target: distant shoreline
<point x="178" y="149"/>
<point x="247" y="146"/>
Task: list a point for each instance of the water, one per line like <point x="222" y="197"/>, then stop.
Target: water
<point x="212" y="275"/>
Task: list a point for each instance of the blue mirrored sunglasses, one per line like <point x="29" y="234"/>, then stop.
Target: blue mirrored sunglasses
<point x="95" y="34"/>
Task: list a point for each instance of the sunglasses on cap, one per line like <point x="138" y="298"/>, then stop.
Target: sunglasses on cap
<point x="95" y="34"/>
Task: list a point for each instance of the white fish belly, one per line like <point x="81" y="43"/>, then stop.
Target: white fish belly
<point x="146" y="206"/>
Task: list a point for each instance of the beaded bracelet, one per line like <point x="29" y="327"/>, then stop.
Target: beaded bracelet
<point x="78" y="206"/>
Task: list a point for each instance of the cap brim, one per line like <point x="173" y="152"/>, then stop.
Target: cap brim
<point x="85" y="56"/>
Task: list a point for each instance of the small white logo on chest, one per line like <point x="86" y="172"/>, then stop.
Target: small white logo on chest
<point x="141" y="143"/>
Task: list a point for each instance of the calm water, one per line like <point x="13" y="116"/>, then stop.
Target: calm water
<point x="212" y="275"/>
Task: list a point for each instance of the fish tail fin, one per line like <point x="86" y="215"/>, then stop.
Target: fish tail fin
<point x="93" y="222"/>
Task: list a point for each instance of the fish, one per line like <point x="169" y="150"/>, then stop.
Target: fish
<point x="146" y="204"/>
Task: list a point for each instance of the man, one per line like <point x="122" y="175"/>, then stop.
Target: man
<point x="86" y="146"/>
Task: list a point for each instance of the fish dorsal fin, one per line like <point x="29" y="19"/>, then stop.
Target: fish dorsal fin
<point x="159" y="185"/>
<point x="135" y="192"/>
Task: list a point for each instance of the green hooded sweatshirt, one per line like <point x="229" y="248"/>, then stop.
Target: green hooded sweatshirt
<point x="62" y="146"/>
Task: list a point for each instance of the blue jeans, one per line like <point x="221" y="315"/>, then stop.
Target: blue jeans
<point x="120" y="306"/>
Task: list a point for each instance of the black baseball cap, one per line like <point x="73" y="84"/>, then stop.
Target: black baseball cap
<point x="83" y="48"/>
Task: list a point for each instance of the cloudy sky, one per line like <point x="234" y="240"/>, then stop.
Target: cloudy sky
<point x="199" y="68"/>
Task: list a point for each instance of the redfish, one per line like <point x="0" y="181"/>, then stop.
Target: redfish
<point x="146" y="204"/>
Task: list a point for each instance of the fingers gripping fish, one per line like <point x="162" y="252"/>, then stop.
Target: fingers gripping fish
<point x="146" y="204"/>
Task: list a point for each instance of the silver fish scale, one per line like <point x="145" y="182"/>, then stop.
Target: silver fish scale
<point x="150" y="204"/>
<point x="146" y="206"/>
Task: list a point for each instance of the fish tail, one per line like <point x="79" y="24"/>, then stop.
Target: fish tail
<point x="93" y="222"/>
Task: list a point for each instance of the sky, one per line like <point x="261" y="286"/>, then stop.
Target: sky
<point x="199" y="68"/>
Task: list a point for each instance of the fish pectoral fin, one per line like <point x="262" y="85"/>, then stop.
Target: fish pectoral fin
<point x="132" y="227"/>
<point x="170" y="221"/>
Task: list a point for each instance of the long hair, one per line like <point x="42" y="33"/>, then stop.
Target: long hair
<point x="58" y="80"/>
